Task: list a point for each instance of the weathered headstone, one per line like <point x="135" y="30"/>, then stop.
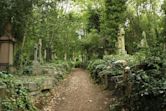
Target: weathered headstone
<point x="40" y="51"/>
<point x="65" y="56"/>
<point x="121" y="41"/>
<point x="7" y="49"/>
<point x="35" y="53"/>
<point x="45" y="54"/>
<point x="144" y="43"/>
<point x="36" y="64"/>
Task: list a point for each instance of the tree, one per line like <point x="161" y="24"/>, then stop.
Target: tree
<point x="142" y="16"/>
<point x="163" y="40"/>
<point x="93" y="20"/>
<point x="15" y="12"/>
<point x="113" y="16"/>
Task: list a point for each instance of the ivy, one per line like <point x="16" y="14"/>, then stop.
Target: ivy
<point x="148" y="86"/>
<point x="17" y="96"/>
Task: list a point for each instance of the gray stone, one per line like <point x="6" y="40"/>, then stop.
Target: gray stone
<point x="31" y="86"/>
<point x="48" y="83"/>
<point x="144" y="43"/>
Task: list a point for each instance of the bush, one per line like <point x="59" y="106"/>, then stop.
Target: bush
<point x="148" y="79"/>
<point x="17" y="96"/>
<point x="109" y="65"/>
<point x="95" y="67"/>
<point x="148" y="86"/>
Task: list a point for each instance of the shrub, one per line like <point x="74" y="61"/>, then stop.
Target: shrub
<point x="148" y="86"/>
<point x="17" y="96"/>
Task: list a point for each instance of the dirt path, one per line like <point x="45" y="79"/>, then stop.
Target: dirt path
<point x="79" y="93"/>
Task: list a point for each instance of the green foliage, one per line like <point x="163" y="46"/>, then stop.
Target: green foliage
<point x="140" y="18"/>
<point x="27" y="70"/>
<point x="93" y="20"/>
<point x="148" y="79"/>
<point x="92" y="43"/>
<point x="164" y="22"/>
<point x="16" y="12"/>
<point x="148" y="86"/>
<point x="17" y="96"/>
<point x="131" y="59"/>
<point x="112" y="17"/>
<point x="19" y="101"/>
<point x="113" y="65"/>
<point x="95" y="67"/>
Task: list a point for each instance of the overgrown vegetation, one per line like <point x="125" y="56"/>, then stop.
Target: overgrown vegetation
<point x="15" y="89"/>
<point x="79" y="33"/>
<point x="147" y="78"/>
<point x="16" y="96"/>
<point x="148" y="81"/>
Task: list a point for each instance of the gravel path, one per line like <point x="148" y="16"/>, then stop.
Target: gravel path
<point x="78" y="93"/>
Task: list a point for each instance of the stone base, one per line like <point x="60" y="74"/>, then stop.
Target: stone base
<point x="6" y="67"/>
<point x="120" y="51"/>
<point x="36" y="68"/>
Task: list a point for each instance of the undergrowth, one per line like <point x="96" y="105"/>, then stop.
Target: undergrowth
<point x="16" y="97"/>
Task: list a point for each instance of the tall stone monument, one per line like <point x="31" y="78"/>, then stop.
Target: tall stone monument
<point x="121" y="41"/>
<point x="7" y="48"/>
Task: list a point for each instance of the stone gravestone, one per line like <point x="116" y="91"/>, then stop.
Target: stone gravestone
<point x="65" y="56"/>
<point x="144" y="43"/>
<point x="7" y="49"/>
<point x="35" y="53"/>
<point x="121" y="42"/>
<point x="45" y="54"/>
<point x="36" y="64"/>
<point x="40" y="51"/>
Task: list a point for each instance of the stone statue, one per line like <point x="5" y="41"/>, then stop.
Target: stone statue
<point x="121" y="41"/>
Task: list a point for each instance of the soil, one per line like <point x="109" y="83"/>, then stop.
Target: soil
<point x="79" y="93"/>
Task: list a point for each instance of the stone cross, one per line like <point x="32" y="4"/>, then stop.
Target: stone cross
<point x="36" y="65"/>
<point x="121" y="41"/>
